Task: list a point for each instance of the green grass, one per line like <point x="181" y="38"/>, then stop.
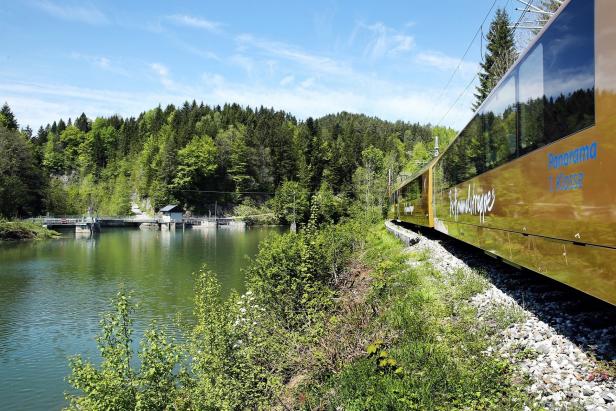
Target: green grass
<point x="24" y="230"/>
<point x="434" y="340"/>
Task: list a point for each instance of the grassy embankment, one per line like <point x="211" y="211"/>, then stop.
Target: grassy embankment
<point x="23" y="230"/>
<point x="408" y="339"/>
<point x="335" y="317"/>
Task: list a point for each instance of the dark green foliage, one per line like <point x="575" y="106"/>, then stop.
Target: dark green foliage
<point x="291" y="202"/>
<point x="155" y="158"/>
<point x="22" y="184"/>
<point x="500" y="55"/>
<point x="289" y="276"/>
<point x="23" y="230"/>
<point x="7" y="118"/>
<point x="82" y="123"/>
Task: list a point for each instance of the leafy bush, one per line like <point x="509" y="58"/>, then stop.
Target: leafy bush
<point x="289" y="277"/>
<point x="434" y="358"/>
<point x="291" y="202"/>
<point x="24" y="230"/>
<point x="241" y="349"/>
<point x="115" y="385"/>
<point x="254" y="214"/>
<point x="422" y="348"/>
<point x="235" y="349"/>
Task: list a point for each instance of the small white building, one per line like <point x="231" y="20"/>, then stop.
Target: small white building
<point x="172" y="213"/>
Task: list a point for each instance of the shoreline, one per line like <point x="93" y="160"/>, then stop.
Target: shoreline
<point x="13" y="231"/>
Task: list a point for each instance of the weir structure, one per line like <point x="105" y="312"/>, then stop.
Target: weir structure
<point x="94" y="224"/>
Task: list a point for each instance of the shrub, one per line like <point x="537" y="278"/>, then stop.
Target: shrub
<point x="115" y="385"/>
<point x="287" y="276"/>
<point x="255" y="215"/>
<point x="24" y="230"/>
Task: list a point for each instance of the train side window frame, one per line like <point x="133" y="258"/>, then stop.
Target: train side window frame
<point x="565" y="59"/>
<point x="456" y="162"/>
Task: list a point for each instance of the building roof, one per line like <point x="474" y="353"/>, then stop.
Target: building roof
<point x="171" y="207"/>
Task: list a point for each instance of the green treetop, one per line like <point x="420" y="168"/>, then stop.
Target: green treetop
<point x="7" y="118"/>
<point x="500" y="55"/>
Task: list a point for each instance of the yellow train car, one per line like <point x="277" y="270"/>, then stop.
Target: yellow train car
<point x="532" y="177"/>
<point x="413" y="199"/>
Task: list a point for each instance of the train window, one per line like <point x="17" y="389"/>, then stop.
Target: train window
<point x="499" y="124"/>
<point x="531" y="100"/>
<point x="465" y="158"/>
<point x="555" y="96"/>
<point x="557" y="79"/>
<point x="409" y="194"/>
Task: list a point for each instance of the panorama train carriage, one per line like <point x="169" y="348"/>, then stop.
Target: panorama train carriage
<point x="532" y="177"/>
<point x="413" y="199"/>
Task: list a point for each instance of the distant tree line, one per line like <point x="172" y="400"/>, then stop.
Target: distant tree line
<point x="197" y="156"/>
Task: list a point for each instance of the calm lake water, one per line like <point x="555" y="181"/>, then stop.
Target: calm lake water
<point x="52" y="293"/>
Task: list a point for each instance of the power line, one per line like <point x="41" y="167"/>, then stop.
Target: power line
<point x="515" y="27"/>
<point x="459" y="97"/>
<point x="249" y="192"/>
<point x="221" y="192"/>
<point x="479" y="30"/>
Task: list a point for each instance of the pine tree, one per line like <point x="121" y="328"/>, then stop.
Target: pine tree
<point x="7" y="118"/>
<point x="82" y="123"/>
<point x="41" y="136"/>
<point x="61" y="126"/>
<point x="500" y="55"/>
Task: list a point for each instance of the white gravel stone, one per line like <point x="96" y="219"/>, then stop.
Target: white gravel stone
<point x="561" y="372"/>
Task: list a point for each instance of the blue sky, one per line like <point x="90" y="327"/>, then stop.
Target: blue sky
<point x="390" y="59"/>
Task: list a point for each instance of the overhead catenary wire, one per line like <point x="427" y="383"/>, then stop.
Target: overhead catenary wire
<point x="246" y="192"/>
<point x="515" y="27"/>
<point x="220" y="191"/>
<point x="468" y="48"/>
<point x="458" y="98"/>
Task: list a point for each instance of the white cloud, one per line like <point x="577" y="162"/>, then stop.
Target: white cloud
<point x="160" y="69"/>
<point x="246" y="63"/>
<point x="82" y="12"/>
<point x="385" y="41"/>
<point x="164" y="76"/>
<point x="206" y="54"/>
<point x="443" y="62"/>
<point x="40" y="103"/>
<point x="101" y="62"/>
<point x="196" y="22"/>
<point x="213" y="80"/>
<point x="308" y="83"/>
<point x="402" y="43"/>
<point x="287" y="80"/>
<point x="294" y="54"/>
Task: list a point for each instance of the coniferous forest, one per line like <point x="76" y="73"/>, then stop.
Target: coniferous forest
<point x="203" y="158"/>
